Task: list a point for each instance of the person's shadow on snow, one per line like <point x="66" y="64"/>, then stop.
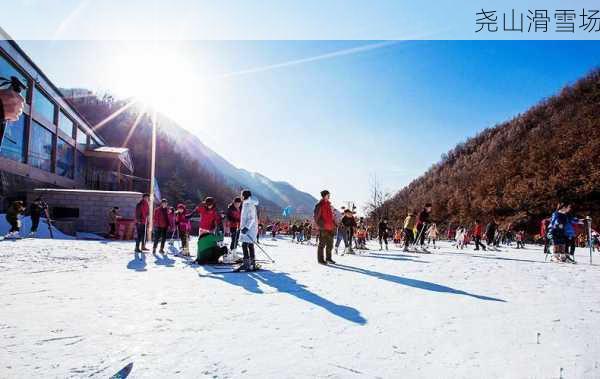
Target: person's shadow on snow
<point x="138" y="263"/>
<point x="416" y="283"/>
<point x="163" y="260"/>
<point x="283" y="283"/>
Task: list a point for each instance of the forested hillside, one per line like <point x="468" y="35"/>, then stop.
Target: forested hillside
<point x="518" y="170"/>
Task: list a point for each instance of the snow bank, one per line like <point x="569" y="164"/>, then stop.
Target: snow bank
<point x="42" y="231"/>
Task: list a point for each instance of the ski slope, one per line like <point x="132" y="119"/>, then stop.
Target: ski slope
<point x="73" y="308"/>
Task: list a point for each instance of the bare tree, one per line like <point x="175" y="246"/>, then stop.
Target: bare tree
<point x="378" y="205"/>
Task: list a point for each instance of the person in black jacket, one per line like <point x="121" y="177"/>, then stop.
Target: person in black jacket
<point x="423" y="222"/>
<point x="382" y="233"/>
<point x="36" y="210"/>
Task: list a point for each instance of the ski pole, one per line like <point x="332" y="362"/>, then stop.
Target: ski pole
<point x="261" y="249"/>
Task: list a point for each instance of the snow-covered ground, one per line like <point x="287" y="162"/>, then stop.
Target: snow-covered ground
<point x="87" y="308"/>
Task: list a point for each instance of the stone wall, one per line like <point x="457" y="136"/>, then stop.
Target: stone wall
<point x="93" y="205"/>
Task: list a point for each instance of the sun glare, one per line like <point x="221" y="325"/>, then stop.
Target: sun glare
<point x="159" y="79"/>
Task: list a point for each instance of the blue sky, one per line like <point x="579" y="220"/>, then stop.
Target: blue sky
<point x="333" y="123"/>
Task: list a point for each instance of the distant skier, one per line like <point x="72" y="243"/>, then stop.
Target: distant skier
<point x="432" y="235"/>
<point x="490" y="234"/>
<point x="558" y="224"/>
<point x="233" y="217"/>
<point x="477" y="234"/>
<point x="383" y="233"/>
<point x="325" y="220"/>
<point x="422" y="223"/>
<point x="113" y="217"/>
<point x="409" y="226"/>
<point x="142" y="211"/>
<point x="248" y="231"/>
<point x="36" y="209"/>
<point x="520" y="238"/>
<point x="12" y="217"/>
<point x="184" y="227"/>
<point x="160" y="222"/>
<point x="461" y="237"/>
<point x="571" y="235"/>
<point x="345" y="230"/>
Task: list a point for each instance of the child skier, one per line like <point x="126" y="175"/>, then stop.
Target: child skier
<point x="184" y="227"/>
<point x="432" y="235"/>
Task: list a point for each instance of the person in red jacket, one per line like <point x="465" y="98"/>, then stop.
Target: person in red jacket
<point x="142" y="210"/>
<point x="325" y="219"/>
<point x="182" y="222"/>
<point x="233" y="217"/>
<point x="161" y="225"/>
<point x="477" y="234"/>
<point x="209" y="218"/>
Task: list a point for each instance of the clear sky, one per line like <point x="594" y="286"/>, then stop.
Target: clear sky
<point x="331" y="114"/>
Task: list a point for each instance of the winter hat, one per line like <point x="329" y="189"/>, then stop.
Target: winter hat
<point x="180" y="206"/>
<point x="164" y="201"/>
<point x="246" y="194"/>
<point x="237" y="200"/>
<point x="324" y="193"/>
<point x="209" y="201"/>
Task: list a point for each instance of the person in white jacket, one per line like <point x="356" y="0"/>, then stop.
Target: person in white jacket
<point x="248" y="230"/>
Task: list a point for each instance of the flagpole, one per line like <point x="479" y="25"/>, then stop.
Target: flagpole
<point x="152" y="172"/>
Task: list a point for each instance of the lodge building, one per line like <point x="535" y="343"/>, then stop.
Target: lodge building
<point x="52" y="146"/>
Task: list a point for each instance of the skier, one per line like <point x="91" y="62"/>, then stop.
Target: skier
<point x="571" y="236"/>
<point x="477" y="234"/>
<point x="160" y="221"/>
<point x="248" y="231"/>
<point x="12" y="217"/>
<point x="409" y="226"/>
<point x="422" y="224"/>
<point x="142" y="211"/>
<point x="520" y="238"/>
<point x="382" y="233"/>
<point x="184" y="227"/>
<point x="209" y="218"/>
<point x="36" y="209"/>
<point x="345" y="230"/>
<point x="233" y="217"/>
<point x="432" y="235"/>
<point x="490" y="233"/>
<point x="325" y="220"/>
<point x="558" y="224"/>
<point x="113" y="217"/>
<point x="461" y="237"/>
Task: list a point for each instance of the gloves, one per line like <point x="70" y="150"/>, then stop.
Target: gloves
<point x="244" y="230"/>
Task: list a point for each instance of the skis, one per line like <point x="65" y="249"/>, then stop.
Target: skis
<point x="124" y="372"/>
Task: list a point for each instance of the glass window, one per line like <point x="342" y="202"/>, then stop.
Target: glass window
<point x="65" y="124"/>
<point x="81" y="165"/>
<point x="7" y="70"/>
<point x="13" y="141"/>
<point x="42" y="105"/>
<point x="40" y="147"/>
<point x="64" y="159"/>
<point x="81" y="138"/>
<point x="94" y="143"/>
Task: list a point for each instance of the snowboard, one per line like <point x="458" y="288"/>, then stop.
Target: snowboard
<point x="124" y="372"/>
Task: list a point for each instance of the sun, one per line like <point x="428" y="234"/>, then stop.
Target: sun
<point x="160" y="79"/>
